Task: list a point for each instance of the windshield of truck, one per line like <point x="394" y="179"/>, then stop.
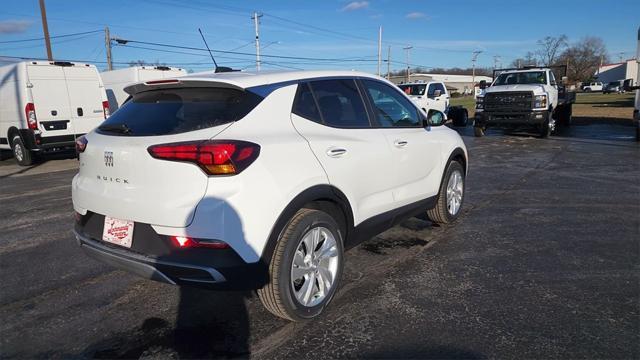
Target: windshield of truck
<point x="413" y="89"/>
<point x="520" y="78"/>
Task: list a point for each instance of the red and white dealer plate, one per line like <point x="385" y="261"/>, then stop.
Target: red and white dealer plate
<point x="119" y="232"/>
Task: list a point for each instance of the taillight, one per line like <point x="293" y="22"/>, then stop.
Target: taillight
<point x="184" y="242"/>
<point x="81" y="144"/>
<point x="215" y="157"/>
<point x="30" y="112"/>
<point x="105" y="109"/>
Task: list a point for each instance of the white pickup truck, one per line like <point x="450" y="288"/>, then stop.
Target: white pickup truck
<point x="434" y="95"/>
<point x="524" y="99"/>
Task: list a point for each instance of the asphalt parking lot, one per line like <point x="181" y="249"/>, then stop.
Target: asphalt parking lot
<point x="543" y="263"/>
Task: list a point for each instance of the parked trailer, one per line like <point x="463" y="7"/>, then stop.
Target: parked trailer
<point x="116" y="80"/>
<point x="45" y="106"/>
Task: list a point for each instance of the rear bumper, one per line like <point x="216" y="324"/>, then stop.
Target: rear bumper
<point x="38" y="142"/>
<point x="526" y="119"/>
<point x="156" y="257"/>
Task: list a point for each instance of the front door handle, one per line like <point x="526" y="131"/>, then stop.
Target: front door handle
<point x="336" y="152"/>
<point x="400" y="143"/>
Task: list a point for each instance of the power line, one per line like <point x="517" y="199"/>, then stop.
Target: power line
<point x="52" y="37"/>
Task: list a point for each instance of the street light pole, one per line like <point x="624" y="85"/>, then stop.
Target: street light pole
<point x="473" y="68"/>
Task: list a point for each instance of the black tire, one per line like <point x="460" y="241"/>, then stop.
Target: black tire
<point x="564" y="115"/>
<point x="545" y="128"/>
<point x="460" y="118"/>
<point x="278" y="295"/>
<point x="478" y="131"/>
<point x="440" y="213"/>
<point x="23" y="156"/>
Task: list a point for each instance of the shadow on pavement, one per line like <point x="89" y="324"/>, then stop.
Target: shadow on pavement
<point x="208" y="325"/>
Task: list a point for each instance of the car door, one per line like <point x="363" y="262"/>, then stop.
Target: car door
<point x="85" y="98"/>
<point x="331" y="115"/>
<point x="437" y="102"/>
<point x="414" y="149"/>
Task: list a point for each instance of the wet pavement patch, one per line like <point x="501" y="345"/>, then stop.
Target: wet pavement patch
<point x="379" y="245"/>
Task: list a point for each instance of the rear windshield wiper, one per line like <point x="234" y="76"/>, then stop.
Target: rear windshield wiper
<point x="117" y="128"/>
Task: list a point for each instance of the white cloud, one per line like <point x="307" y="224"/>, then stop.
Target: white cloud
<point x="416" y="15"/>
<point x="14" y="26"/>
<point x="355" y="5"/>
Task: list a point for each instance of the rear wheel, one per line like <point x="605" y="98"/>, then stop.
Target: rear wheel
<point x="450" y="196"/>
<point x="306" y="267"/>
<point x="23" y="156"/>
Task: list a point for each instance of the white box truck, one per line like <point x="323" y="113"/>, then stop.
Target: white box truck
<point x="116" y="80"/>
<point x="45" y="106"/>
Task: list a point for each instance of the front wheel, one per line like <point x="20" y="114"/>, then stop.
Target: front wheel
<point x="450" y="196"/>
<point x="306" y="267"/>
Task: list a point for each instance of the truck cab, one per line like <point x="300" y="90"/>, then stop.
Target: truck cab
<point x="524" y="99"/>
<point x="428" y="95"/>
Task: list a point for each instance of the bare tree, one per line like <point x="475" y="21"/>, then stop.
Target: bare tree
<point x="583" y="58"/>
<point x="550" y="47"/>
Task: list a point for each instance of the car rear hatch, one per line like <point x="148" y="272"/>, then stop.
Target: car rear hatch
<point x="118" y="177"/>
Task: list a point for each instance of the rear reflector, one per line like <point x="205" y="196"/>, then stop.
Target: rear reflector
<point x="184" y="242"/>
<point x="215" y="157"/>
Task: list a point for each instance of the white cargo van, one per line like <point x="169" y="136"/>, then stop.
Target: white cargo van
<point x="116" y="80"/>
<point x="45" y="106"/>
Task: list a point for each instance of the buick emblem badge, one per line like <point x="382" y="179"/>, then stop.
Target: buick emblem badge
<point x="108" y="158"/>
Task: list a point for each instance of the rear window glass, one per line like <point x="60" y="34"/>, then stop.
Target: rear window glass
<point x="304" y="105"/>
<point x="174" y="111"/>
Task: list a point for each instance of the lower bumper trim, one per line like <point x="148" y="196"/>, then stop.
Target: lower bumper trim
<point x="149" y="268"/>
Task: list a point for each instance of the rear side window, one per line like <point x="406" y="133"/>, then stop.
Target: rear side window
<point x="174" y="111"/>
<point x="340" y="103"/>
<point x="304" y="104"/>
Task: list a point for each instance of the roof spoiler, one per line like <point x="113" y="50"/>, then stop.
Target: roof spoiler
<point x="177" y="83"/>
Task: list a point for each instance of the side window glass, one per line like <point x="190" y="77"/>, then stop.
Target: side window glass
<point x="391" y="108"/>
<point x="340" y="103"/>
<point x="304" y="105"/>
<point x="432" y="89"/>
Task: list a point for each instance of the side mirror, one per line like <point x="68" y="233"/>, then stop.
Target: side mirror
<point x="436" y="118"/>
<point x="483" y="84"/>
<point x="437" y="93"/>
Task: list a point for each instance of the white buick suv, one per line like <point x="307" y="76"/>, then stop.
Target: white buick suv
<point x="261" y="180"/>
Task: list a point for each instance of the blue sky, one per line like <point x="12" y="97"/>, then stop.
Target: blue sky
<point x="442" y="33"/>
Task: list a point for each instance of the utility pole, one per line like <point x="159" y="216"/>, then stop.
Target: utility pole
<point x="379" y="49"/>
<point x="107" y="43"/>
<point x="389" y="63"/>
<point x="496" y="60"/>
<point x="520" y="63"/>
<point x="256" y="23"/>
<point x="473" y="67"/>
<point x="407" y="49"/>
<point x="601" y="63"/>
<point x="45" y="29"/>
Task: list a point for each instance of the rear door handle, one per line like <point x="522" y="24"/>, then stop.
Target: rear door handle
<point x="336" y="152"/>
<point x="400" y="143"/>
